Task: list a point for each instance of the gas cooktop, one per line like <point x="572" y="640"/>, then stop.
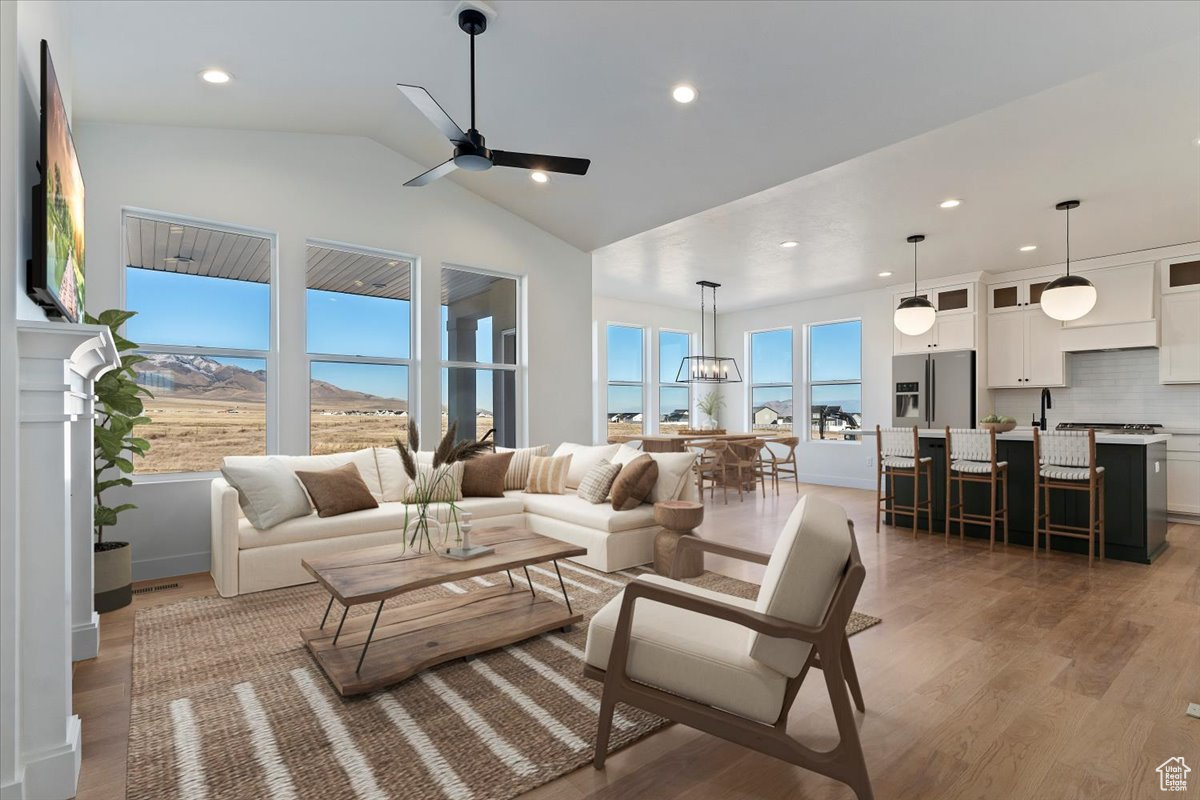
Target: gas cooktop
<point x="1110" y="427"/>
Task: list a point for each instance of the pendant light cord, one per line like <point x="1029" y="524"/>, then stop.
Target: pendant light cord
<point x="915" y="269"/>
<point x="1068" y="241"/>
<point x="472" y="81"/>
<point x="702" y="324"/>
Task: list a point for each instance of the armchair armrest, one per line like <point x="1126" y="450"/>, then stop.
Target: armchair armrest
<point x="686" y="543"/>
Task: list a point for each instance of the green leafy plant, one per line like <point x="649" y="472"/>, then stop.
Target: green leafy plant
<point x="429" y="485"/>
<point x="711" y="404"/>
<point x="118" y="413"/>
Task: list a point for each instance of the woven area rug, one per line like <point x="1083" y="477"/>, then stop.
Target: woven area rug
<point x="227" y="703"/>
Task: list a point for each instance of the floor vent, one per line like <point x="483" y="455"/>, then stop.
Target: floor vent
<point x="159" y="588"/>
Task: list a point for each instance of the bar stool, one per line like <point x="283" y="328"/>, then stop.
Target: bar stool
<point x="971" y="458"/>
<point x="1067" y="460"/>
<point x="898" y="455"/>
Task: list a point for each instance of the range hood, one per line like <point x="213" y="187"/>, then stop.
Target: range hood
<point x="1117" y="336"/>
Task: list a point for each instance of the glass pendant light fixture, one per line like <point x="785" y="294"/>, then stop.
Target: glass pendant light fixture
<point x="1071" y="296"/>
<point x="915" y="314"/>
<point x="705" y="368"/>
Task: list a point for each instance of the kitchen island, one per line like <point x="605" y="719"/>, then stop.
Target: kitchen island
<point x="1135" y="501"/>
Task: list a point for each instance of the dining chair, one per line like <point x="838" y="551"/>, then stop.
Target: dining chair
<point x="780" y="459"/>
<point x="744" y="457"/>
<point x="709" y="465"/>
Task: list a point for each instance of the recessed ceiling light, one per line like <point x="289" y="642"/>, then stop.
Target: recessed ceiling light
<point x="885" y="274"/>
<point x="358" y="283"/>
<point x="1028" y="248"/>
<point x="788" y="243"/>
<point x="683" y="93"/>
<point x="215" y="76"/>
<point x="393" y="263"/>
<point x="537" y="176"/>
<point x="176" y="229"/>
<point x="951" y="203"/>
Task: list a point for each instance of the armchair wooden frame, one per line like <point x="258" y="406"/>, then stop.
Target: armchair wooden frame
<point x="830" y="654"/>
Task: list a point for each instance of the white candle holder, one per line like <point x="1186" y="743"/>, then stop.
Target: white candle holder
<point x="465" y="550"/>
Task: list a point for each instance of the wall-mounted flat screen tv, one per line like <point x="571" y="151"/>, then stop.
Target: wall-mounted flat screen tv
<point x="55" y="278"/>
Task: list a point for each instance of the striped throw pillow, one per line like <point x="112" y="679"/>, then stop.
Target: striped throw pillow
<point x="598" y="481"/>
<point x="518" y="469"/>
<point x="548" y="474"/>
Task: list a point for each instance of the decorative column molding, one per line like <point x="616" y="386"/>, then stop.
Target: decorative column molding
<point x="58" y="364"/>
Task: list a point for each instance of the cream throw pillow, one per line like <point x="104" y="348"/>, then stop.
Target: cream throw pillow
<point x="518" y="469"/>
<point x="268" y="492"/>
<point x="548" y="474"/>
<point x="583" y="458"/>
<point x="596" y="485"/>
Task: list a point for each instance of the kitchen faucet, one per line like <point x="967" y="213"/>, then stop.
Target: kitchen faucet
<point x="1045" y="404"/>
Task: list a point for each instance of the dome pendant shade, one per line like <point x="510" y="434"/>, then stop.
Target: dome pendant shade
<point x="914" y="316"/>
<point x="1069" y="297"/>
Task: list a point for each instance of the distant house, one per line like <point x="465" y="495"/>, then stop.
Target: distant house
<point x="765" y="415"/>
<point x="678" y="415"/>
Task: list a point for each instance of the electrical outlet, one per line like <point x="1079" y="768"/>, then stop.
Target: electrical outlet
<point x="870" y="461"/>
<point x="1193" y="710"/>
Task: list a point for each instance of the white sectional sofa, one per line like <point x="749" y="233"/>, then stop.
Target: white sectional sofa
<point x="245" y="559"/>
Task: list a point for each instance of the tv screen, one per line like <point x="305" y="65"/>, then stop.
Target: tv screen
<point x="56" y="272"/>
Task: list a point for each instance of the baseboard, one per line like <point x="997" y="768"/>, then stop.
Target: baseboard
<point x="836" y="480"/>
<point x="1186" y="519"/>
<point x="54" y="774"/>
<point x="85" y="639"/>
<point x="169" y="566"/>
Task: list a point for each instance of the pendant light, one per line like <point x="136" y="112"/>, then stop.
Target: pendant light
<point x="1071" y="296"/>
<point x="705" y="368"/>
<point x="915" y="314"/>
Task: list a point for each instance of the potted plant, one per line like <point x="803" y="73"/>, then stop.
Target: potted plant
<point x="710" y="406"/>
<point x="433" y="485"/>
<point x="118" y="413"/>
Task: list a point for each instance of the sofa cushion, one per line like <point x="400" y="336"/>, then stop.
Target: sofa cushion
<point x="634" y="483"/>
<point x="483" y="475"/>
<point x="805" y="567"/>
<point x="583" y="458"/>
<point x="571" y="508"/>
<point x="383" y="476"/>
<point x="674" y="471"/>
<point x="337" y="491"/>
<point x="548" y="474"/>
<point x="689" y="654"/>
<point x="518" y="469"/>
<point x="387" y="517"/>
<point x="598" y="482"/>
<point x="268" y="493"/>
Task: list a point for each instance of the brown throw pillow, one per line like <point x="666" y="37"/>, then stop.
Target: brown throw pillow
<point x="634" y="484"/>
<point x="483" y="476"/>
<point x="337" y="491"/>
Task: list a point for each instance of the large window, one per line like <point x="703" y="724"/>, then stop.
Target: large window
<point x="835" y="380"/>
<point x="626" y="380"/>
<point x="771" y="381"/>
<point x="674" y="398"/>
<point x="203" y="301"/>
<point x="480" y="354"/>
<point x="359" y="347"/>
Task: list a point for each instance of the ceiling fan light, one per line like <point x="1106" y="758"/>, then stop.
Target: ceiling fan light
<point x="1069" y="297"/>
<point x="914" y="316"/>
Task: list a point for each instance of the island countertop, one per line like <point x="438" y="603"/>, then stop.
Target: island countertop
<point x="1025" y="434"/>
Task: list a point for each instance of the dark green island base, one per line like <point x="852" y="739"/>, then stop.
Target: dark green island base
<point x="1135" y="501"/>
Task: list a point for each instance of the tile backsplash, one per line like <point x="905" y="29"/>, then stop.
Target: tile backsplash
<point x="1116" y="386"/>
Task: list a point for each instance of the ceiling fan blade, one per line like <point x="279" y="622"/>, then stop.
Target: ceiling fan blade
<point x="425" y="103"/>
<point x="441" y="170"/>
<point x="570" y="166"/>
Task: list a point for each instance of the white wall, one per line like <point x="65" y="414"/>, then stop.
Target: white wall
<point x="836" y="463"/>
<point x="22" y="27"/>
<point x="653" y="318"/>
<point x="337" y="188"/>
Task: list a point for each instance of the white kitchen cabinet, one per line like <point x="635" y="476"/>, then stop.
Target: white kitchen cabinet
<point x="1016" y="295"/>
<point x="1183" y="474"/>
<point x="1123" y="294"/>
<point x="953" y="327"/>
<point x="1179" y="352"/>
<point x="1023" y="350"/>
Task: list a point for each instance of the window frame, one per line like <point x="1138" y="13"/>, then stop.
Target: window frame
<point x="270" y="356"/>
<point x="647" y="354"/>
<point x="809" y="383"/>
<point x="519" y="369"/>
<point x="412" y="362"/>
<point x="659" y="384"/>
<point x="751" y="385"/>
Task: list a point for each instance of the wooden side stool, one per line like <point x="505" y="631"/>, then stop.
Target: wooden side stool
<point x="678" y="518"/>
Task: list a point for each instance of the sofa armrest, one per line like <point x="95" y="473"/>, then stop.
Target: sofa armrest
<point x="224" y="542"/>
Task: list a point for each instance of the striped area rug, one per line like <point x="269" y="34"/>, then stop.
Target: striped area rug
<point x="227" y="703"/>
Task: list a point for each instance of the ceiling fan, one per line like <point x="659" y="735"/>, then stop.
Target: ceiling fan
<point x="470" y="150"/>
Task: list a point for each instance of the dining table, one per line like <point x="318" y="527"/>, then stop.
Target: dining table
<point x="678" y="442"/>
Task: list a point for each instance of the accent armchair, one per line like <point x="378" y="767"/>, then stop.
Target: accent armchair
<point x="732" y="667"/>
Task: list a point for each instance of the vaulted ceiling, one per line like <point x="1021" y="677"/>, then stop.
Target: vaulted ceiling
<point x="786" y="89"/>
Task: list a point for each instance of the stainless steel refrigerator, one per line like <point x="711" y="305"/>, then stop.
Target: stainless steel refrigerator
<point x="934" y="390"/>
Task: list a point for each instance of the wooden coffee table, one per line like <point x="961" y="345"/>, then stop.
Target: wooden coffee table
<point x="409" y="638"/>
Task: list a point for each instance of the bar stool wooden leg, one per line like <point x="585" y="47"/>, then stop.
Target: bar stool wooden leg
<point x="949" y="492"/>
<point x="1037" y="507"/>
<point x="916" y="503"/>
<point x="992" y="515"/>
<point x="878" y="494"/>
<point x="1004" y="477"/>
<point x="1102" y="516"/>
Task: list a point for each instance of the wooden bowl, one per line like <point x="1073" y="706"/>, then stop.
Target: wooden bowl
<point x="998" y="427"/>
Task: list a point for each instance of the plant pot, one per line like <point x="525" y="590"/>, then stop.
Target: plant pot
<point x="113" y="571"/>
<point x="998" y="427"/>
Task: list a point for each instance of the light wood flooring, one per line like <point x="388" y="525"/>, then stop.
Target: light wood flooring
<point x="993" y="675"/>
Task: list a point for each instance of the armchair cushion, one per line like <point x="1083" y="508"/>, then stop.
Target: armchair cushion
<point x="691" y="655"/>
<point x="805" y="567"/>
